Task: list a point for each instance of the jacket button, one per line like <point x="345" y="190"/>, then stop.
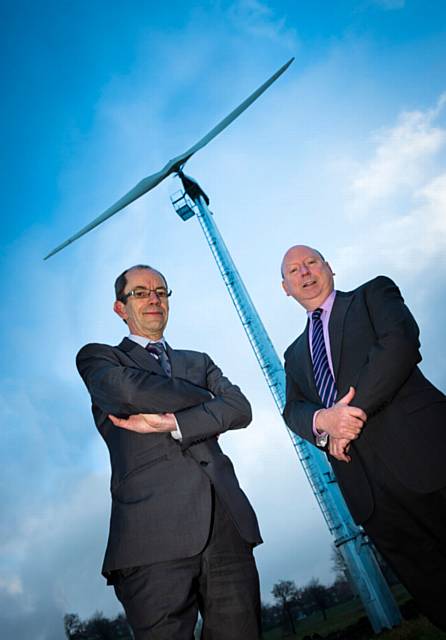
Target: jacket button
<point x="204" y="463"/>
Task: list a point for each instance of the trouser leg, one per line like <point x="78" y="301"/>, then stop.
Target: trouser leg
<point x="160" y="599"/>
<point x="229" y="584"/>
<point x="409" y="529"/>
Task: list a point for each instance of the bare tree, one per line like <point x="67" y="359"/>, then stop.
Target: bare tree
<point x="286" y="595"/>
<point x="317" y="596"/>
<point x="74" y="627"/>
<point x="96" y="628"/>
<point x="271" y="615"/>
<point x="338" y="565"/>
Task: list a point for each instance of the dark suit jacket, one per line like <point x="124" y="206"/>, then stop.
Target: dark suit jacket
<point x="375" y="348"/>
<point x="160" y="487"/>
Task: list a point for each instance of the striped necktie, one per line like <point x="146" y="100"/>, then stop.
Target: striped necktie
<point x="325" y="383"/>
<point x="158" y="350"/>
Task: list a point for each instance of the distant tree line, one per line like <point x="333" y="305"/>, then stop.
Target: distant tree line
<point x="97" y="628"/>
<point x="293" y="603"/>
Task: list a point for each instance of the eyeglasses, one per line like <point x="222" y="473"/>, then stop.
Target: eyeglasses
<point x="140" y="294"/>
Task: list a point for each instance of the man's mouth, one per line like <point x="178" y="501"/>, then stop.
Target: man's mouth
<point x="308" y="283"/>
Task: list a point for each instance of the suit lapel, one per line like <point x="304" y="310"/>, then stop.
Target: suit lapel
<point x="303" y="364"/>
<point x="177" y="362"/>
<point x="139" y="355"/>
<point x="336" y="328"/>
<point x="144" y="360"/>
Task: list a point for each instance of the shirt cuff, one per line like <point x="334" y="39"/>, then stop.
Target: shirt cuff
<point x="321" y="438"/>
<point x="177" y="435"/>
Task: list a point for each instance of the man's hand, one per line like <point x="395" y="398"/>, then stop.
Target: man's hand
<point x="341" y="420"/>
<point x="338" y="448"/>
<point x="147" y="422"/>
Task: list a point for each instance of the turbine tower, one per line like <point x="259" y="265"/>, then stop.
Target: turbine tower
<point x="356" y="550"/>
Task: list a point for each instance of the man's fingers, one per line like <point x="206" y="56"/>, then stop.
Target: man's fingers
<point x="121" y="422"/>
<point x="338" y="449"/>
<point x="341" y="421"/>
<point x="354" y="424"/>
<point x="351" y="430"/>
<point x="132" y="423"/>
<point x="356" y="412"/>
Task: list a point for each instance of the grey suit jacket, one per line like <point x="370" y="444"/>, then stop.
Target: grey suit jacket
<point x="160" y="487"/>
<point x="375" y="348"/>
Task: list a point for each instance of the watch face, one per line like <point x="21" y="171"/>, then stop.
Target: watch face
<point x="321" y="441"/>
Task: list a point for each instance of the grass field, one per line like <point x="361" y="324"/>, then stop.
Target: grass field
<point x="344" y="615"/>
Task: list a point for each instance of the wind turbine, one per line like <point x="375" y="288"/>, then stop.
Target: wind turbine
<point x="173" y="166"/>
<point x="363" y="567"/>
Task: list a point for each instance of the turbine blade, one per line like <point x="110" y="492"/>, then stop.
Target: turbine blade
<point x="235" y="113"/>
<point x="146" y="184"/>
<point x="140" y="189"/>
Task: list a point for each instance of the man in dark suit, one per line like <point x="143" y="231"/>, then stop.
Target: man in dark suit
<point x="181" y="529"/>
<point x="354" y="388"/>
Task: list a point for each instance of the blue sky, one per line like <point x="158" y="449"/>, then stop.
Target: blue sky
<point x="345" y="152"/>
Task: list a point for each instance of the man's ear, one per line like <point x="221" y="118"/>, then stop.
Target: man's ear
<point x="285" y="288"/>
<point x="119" y="308"/>
<point x="331" y="270"/>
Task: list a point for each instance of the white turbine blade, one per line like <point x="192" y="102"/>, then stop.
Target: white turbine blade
<point x="140" y="189"/>
<point x="146" y="184"/>
<point x="235" y="114"/>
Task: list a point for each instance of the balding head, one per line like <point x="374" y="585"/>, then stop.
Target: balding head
<point x="121" y="280"/>
<point x="296" y="248"/>
<point x="307" y="276"/>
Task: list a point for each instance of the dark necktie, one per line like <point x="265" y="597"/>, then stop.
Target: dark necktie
<point x="325" y="383"/>
<point x="157" y="349"/>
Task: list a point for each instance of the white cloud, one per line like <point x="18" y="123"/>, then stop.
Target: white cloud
<point x="409" y="240"/>
<point x="61" y="545"/>
<point x="399" y="199"/>
<point x="13" y="585"/>
<point x="403" y="232"/>
<point x="402" y="160"/>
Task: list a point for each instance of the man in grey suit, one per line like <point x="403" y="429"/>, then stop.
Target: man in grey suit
<point x="181" y="529"/>
<point x="354" y="388"/>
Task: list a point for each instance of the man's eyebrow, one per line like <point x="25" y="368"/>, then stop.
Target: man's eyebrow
<point x="144" y="288"/>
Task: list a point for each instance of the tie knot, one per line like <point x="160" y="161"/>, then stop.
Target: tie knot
<point x="316" y="315"/>
<point x="155" y="347"/>
<point x="158" y="350"/>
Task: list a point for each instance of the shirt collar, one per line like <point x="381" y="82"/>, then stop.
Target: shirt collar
<point x="141" y="340"/>
<point x="327" y="304"/>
